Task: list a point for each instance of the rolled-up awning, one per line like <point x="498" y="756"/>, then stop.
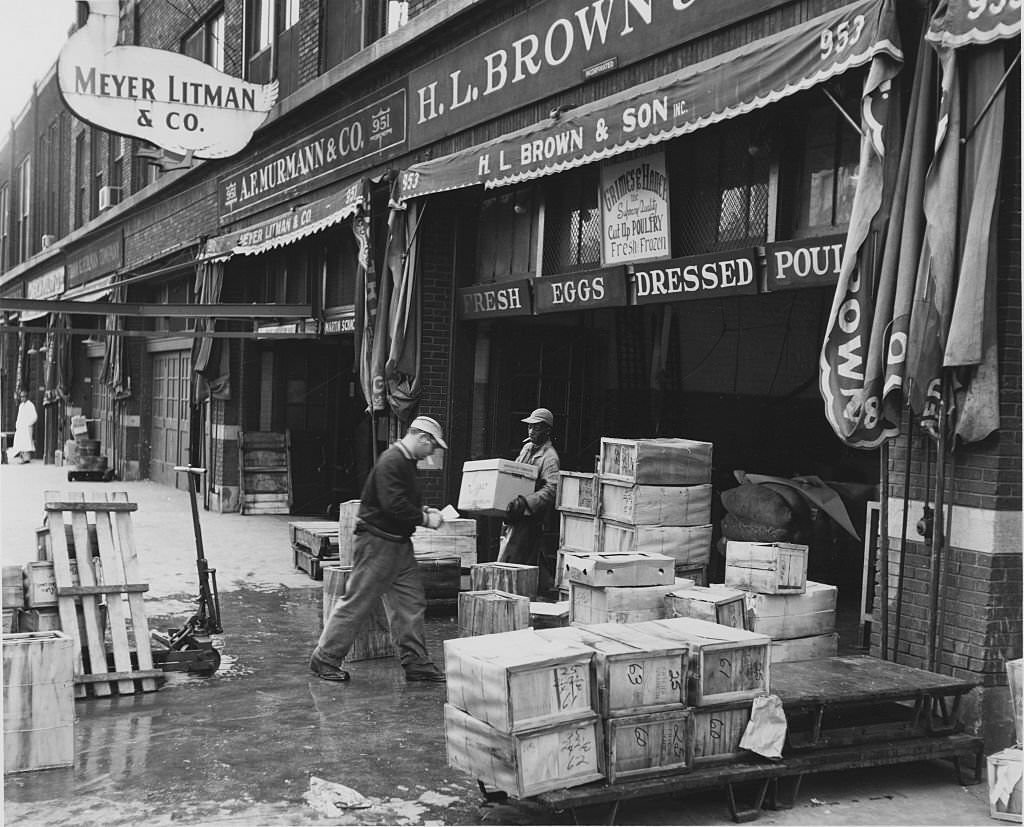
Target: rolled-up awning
<point x="959" y="23"/>
<point x="723" y="87"/>
<point x="288" y="227"/>
<point x="94" y="291"/>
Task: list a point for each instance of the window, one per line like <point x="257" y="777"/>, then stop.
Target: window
<point x="340" y="268"/>
<point x="24" y="209"/>
<point x="289" y="14"/>
<point x="115" y="165"/>
<point x="351" y="27"/>
<point x="80" y="183"/>
<point x="719" y="188"/>
<point x="828" y="178"/>
<point x="263" y="25"/>
<point x="96" y="172"/>
<point x="506" y="232"/>
<point x="572" y="221"/>
<point x="5" y="223"/>
<point x="144" y="172"/>
<point x="206" y="42"/>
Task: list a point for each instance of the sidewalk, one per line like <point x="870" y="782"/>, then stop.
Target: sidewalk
<point x="239" y="748"/>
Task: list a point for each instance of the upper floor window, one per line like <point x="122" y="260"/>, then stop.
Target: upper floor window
<point x="351" y="27"/>
<point x="289" y="13"/>
<point x="25" y="208"/>
<point x="5" y="223"/>
<point x="80" y="179"/>
<point x="206" y="42"/>
<point x="96" y="170"/>
<point x="263" y="24"/>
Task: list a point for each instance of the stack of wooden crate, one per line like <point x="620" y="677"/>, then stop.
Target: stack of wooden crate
<point x="798" y="614"/>
<point x="655" y="495"/>
<point x="521" y="714"/>
<point x="577" y="520"/>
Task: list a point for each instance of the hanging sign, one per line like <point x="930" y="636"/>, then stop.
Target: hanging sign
<point x="169" y="99"/>
<point x="498" y="300"/>
<point x="806" y="262"/>
<point x="580" y="291"/>
<point x="696" y="277"/>
<point x="634" y="210"/>
<point x="344" y="322"/>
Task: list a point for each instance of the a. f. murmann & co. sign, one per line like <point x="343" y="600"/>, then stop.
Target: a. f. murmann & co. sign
<point x="373" y="132"/>
<point x="551" y="47"/>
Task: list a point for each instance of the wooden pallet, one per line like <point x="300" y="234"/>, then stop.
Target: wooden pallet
<point x="265" y="474"/>
<point x="113" y="574"/>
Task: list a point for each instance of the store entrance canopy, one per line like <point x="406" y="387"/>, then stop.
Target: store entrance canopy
<point x="726" y="86"/>
<point x="287" y="227"/>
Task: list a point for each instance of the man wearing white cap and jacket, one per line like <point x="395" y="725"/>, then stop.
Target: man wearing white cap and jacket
<point x="525" y="516"/>
<point x="390" y="510"/>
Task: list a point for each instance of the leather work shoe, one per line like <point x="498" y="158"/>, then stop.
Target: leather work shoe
<point x="326" y="671"/>
<point x="433" y="676"/>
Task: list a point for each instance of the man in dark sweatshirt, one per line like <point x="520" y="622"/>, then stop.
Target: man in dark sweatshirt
<point x="391" y="508"/>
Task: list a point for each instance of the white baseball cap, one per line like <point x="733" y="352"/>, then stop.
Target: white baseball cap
<point x="429" y="425"/>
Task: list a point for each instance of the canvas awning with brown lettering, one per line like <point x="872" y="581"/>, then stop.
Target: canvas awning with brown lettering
<point x="288" y="227"/>
<point x="726" y="86"/>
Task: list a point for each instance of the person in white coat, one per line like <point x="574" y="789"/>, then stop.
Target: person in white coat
<point x="24" y="444"/>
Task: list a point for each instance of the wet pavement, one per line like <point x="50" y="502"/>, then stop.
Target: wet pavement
<point x="242" y="746"/>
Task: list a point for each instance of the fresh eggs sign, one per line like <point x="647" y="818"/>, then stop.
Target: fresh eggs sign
<point x="180" y="104"/>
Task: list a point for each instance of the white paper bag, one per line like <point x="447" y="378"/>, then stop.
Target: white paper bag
<point x="766" y="732"/>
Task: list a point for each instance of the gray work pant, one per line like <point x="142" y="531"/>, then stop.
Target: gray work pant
<point x="380" y="569"/>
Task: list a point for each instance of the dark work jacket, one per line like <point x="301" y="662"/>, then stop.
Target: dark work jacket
<point x="391" y="500"/>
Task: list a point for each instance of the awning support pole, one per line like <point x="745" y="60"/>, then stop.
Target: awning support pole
<point x="842" y="111"/>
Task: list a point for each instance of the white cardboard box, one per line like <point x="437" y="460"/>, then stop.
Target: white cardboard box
<point x="625" y="569"/>
<point x="489" y="485"/>
<point x="785" y="616"/>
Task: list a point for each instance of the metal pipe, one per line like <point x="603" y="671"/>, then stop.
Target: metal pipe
<point x="903" y="540"/>
<point x="883" y="548"/>
<point x="937" y="533"/>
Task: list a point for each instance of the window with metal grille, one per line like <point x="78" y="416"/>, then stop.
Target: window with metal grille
<point x="719" y="189"/>
<point x="572" y="221"/>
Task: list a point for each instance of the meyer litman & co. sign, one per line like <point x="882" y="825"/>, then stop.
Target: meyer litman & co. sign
<point x="179" y="103"/>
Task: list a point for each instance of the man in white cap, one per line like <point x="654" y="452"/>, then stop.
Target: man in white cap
<point x="390" y="510"/>
<point x="525" y="516"/>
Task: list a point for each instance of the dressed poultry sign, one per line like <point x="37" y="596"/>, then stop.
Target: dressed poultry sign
<point x="178" y="103"/>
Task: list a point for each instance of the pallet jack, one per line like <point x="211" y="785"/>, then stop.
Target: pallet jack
<point x="193" y="648"/>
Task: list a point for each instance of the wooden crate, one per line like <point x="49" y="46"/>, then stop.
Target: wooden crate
<point x="519" y="680"/>
<point x="785" y="616"/>
<point x="549" y="615"/>
<point x="577" y="493"/>
<point x="717" y="732"/>
<point x="656" y="504"/>
<point x="812" y="647"/>
<point x="456" y="537"/>
<point x="489" y="485"/>
<point x="614" y="604"/>
<point x="697" y="572"/>
<point x="1004" y="796"/>
<point x="489" y="611"/>
<point x="523" y="764"/>
<point x="577" y="532"/>
<point x="716" y="604"/>
<point x="41" y="584"/>
<point x="1013" y="681"/>
<point x="318" y="537"/>
<point x="347" y="514"/>
<point x="442" y="575"/>
<point x="39" y="701"/>
<point x="39" y="620"/>
<point x="374" y="638"/>
<point x="266" y="473"/>
<point x="310" y="563"/>
<point x="641" y="746"/>
<point x="725" y="664"/>
<point x="636" y="672"/>
<point x="684" y="544"/>
<point x="766" y="568"/>
<point x="515" y="578"/>
<point x="626" y="569"/>
<point x="655" y="461"/>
